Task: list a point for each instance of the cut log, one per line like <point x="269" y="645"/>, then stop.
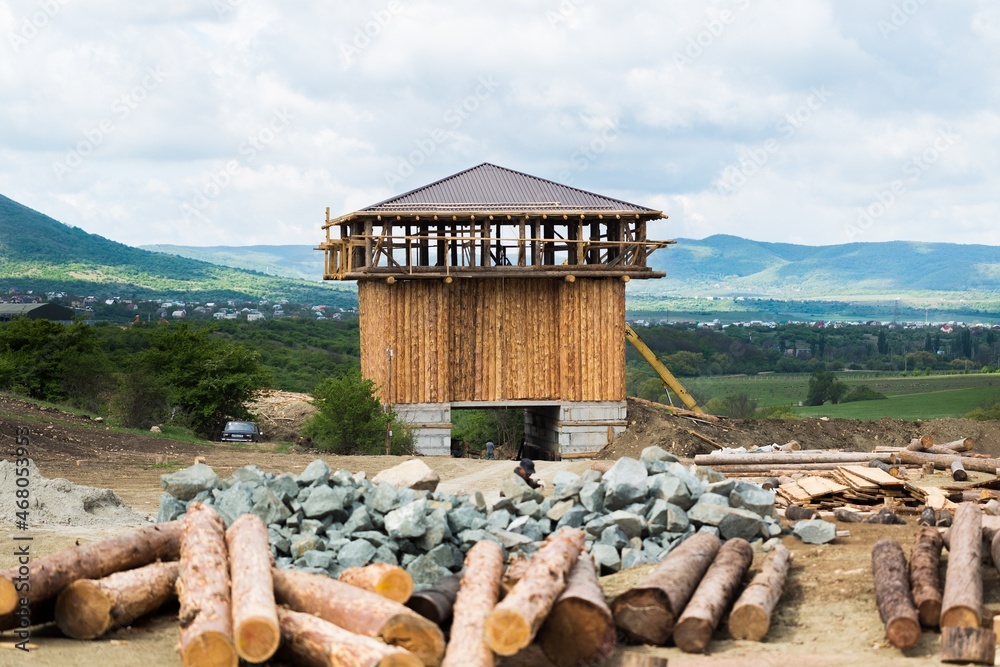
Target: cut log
<point x="89" y="608"/>
<point x="920" y="444"/>
<point x="995" y="549"/>
<point x="309" y="640"/>
<point x="514" y="622"/>
<point x="965" y="645"/>
<point x="776" y="469"/>
<point x="925" y="577"/>
<point x="717" y="590"/>
<point x="477" y="596"/>
<point x="360" y="611"/>
<point x="648" y="611"/>
<point x="799" y="513"/>
<point x="943" y="461"/>
<point x="958" y="471"/>
<point x="770" y="484"/>
<point x="892" y="594"/>
<point x="802" y="456"/>
<point x="390" y="581"/>
<point x="751" y="615"/>
<point x="580" y="630"/>
<point x="435" y="603"/>
<point x="928" y="517"/>
<point x="255" y="615"/>
<point x="125" y="551"/>
<point x="962" y="602"/>
<point x="206" y="615"/>
<point x="961" y="445"/>
<point x="885" y="467"/>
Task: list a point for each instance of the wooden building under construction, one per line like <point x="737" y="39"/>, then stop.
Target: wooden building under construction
<point x="494" y="288"/>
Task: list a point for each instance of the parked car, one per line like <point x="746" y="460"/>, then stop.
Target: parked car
<point x="241" y="432"/>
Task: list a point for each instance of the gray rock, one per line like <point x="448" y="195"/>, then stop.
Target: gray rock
<point x="770" y="544"/>
<point x="516" y="524"/>
<point x="511" y="540"/>
<point x="356" y="553"/>
<point x="478" y="501"/>
<point x="385" y="555"/>
<point x="754" y="499"/>
<point x="295" y="520"/>
<point x="530" y="508"/>
<point x="517" y="490"/>
<point x="624" y="483"/>
<point x="656" y="459"/>
<point x="669" y="517"/>
<point x="437" y="530"/>
<point x="714" y="499"/>
<point x="708" y="514"/>
<point x="360" y="520"/>
<point x="505" y="504"/>
<point x="303" y="543"/>
<point x="247" y="473"/>
<point x="378" y="538"/>
<point x="317" y="472"/>
<point x="536" y="530"/>
<point x="498" y="519"/>
<point x="592" y="496"/>
<point x="268" y="506"/>
<point x="558" y="510"/>
<point x="591" y="476"/>
<point x="235" y="501"/>
<point x="815" y="531"/>
<point x="311" y="527"/>
<point x="343" y="477"/>
<point x="566" y="484"/>
<point x="573" y="518"/>
<point x="613" y="536"/>
<point x="325" y="501"/>
<point x="723" y="488"/>
<point x="636" y="557"/>
<point x="632" y="525"/>
<point x="773" y="527"/>
<point x="425" y="571"/>
<point x="281" y="544"/>
<point x="407" y="521"/>
<point x="606" y="557"/>
<point x="470" y="537"/>
<point x="465" y="517"/>
<point x="741" y="523"/>
<point x="383" y="498"/>
<point x="672" y="489"/>
<point x="186" y="484"/>
<point x="412" y="474"/>
<point x="708" y="475"/>
<point x="170" y="508"/>
<point x="318" y="559"/>
<point x="694" y="484"/>
<point x="652" y="548"/>
<point x="446" y="556"/>
<point x="284" y="486"/>
<point x="711" y="530"/>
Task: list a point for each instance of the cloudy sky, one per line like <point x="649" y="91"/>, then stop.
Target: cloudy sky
<point x="205" y="122"/>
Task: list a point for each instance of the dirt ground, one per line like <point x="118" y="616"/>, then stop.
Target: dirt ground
<point x="826" y="617"/>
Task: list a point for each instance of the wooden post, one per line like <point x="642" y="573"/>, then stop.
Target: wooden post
<point x="255" y="616"/>
<point x="514" y="622"/>
<point x="962" y="602"/>
<point x="892" y="594"/>
<point x="648" y="611"/>
<point x="965" y="645"/>
<point x="130" y="549"/>
<point x="716" y="591"/>
<point x="958" y="471"/>
<point x="89" y="608"/>
<point x="580" y="630"/>
<point x="925" y="578"/>
<point x="751" y="615"/>
<point x="311" y="641"/>
<point x="476" y="598"/>
<point x="206" y="616"/>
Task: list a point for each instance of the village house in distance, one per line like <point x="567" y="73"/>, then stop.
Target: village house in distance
<point x="494" y="288"/>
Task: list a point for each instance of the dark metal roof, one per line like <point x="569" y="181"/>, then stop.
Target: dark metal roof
<point x="488" y="187"/>
<point x="47" y="311"/>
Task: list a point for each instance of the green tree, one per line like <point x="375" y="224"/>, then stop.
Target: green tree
<point x="350" y="419"/>
<point x="683" y="362"/>
<point x="883" y="343"/>
<point x="824" y="386"/>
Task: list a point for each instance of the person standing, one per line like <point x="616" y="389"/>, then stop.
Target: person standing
<point x="490" y="449"/>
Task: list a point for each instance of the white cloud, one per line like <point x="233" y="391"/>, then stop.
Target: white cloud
<point x="657" y="102"/>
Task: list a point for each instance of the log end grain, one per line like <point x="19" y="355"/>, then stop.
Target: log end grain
<point x="578" y="633"/>
<point x="960" y="617"/>
<point x="396" y="584"/>
<point x="257" y="638"/>
<point x="8" y="596"/>
<point x="692" y="634"/>
<point x="903" y="632"/>
<point x="83" y="610"/>
<point x="749" y="622"/>
<point x="930" y="613"/>
<point x="507" y="632"/>
<point x="644" y="615"/>
<point x="417" y="635"/>
<point x="210" y="649"/>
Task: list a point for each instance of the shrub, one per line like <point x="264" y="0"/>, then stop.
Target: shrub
<point x="862" y="392"/>
<point x="775" y="412"/>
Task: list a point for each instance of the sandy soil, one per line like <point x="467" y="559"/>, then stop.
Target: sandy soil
<point x="827" y="616"/>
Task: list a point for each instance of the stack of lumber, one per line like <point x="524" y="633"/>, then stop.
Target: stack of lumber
<point x="852" y="485"/>
<point x="910" y="597"/>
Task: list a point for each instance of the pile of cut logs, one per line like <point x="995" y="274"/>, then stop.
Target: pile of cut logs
<point x="234" y="605"/>
<point x="911" y="597"/>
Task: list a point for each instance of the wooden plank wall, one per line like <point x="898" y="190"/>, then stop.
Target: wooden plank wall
<point x="496" y="339"/>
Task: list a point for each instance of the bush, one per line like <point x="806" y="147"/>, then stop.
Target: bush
<point x="775" y="412"/>
<point x="350" y="419"/>
<point x="862" y="393"/>
<point x="987" y="413"/>
<point x="738" y="406"/>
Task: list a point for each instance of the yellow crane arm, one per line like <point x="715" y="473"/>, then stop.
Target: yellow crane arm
<point x="666" y="377"/>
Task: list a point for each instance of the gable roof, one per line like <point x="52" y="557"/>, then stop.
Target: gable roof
<point x="47" y="311"/>
<point x="488" y="187"/>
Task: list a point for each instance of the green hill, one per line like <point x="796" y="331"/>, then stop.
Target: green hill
<point x="290" y="261"/>
<point x="42" y="254"/>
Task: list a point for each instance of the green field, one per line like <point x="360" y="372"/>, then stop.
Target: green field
<point x="922" y="397"/>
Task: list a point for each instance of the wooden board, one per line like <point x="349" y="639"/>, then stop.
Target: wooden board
<point x="820" y="486"/>
<point x="874" y="475"/>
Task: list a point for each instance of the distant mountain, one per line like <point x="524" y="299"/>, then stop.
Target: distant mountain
<point x="730" y="265"/>
<point x="42" y="254"/>
<point x="290" y="261"/>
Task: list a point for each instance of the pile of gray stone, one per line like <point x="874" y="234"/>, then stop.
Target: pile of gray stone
<point x="326" y="521"/>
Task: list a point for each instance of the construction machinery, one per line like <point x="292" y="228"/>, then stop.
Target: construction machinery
<point x="670" y="383"/>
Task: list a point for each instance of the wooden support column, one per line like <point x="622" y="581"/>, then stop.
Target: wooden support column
<point x="522" y="251"/>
